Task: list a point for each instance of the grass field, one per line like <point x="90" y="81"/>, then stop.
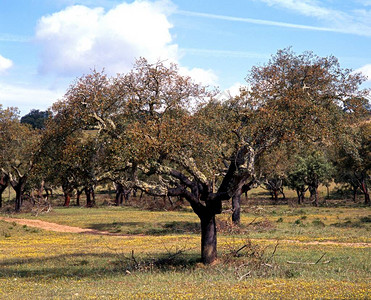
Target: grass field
<point x="157" y="256"/>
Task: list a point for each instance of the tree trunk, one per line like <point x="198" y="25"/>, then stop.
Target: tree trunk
<point x="236" y="202"/>
<point x="328" y="191"/>
<point x="365" y="192"/>
<point x="367" y="199"/>
<point x="78" y="196"/>
<point x="18" y="188"/>
<point x="119" y="194"/>
<point x="208" y="238"/>
<point x="355" y="193"/>
<point x="236" y="207"/>
<point x="127" y="196"/>
<point x="4" y="182"/>
<point x="314" y="195"/>
<point x="90" y="197"/>
<point x="275" y="195"/>
<point x="300" y="194"/>
<point x="67" y="199"/>
<point x="18" y="196"/>
<point x="283" y="193"/>
<point x="2" y="189"/>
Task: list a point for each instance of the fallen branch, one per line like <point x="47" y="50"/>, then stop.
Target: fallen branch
<point x="310" y="263"/>
<point x="274" y="252"/>
<point x="236" y="252"/>
<point x="134" y="260"/>
<point x="244" y="275"/>
<point x="252" y="222"/>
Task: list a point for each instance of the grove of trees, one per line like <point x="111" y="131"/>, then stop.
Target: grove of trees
<point x="301" y="121"/>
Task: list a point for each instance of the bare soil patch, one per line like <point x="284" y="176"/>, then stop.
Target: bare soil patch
<point x="57" y="227"/>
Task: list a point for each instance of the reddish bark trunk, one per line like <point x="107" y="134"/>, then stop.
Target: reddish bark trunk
<point x="275" y="196"/>
<point x="67" y="199"/>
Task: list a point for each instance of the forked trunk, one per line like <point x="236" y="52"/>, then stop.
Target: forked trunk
<point x="18" y="186"/>
<point x="300" y="194"/>
<point x="208" y="239"/>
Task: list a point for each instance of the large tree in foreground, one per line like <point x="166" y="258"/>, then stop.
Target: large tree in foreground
<point x="172" y="146"/>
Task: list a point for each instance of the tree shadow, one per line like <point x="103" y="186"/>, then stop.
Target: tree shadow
<point x="175" y="227"/>
<point x="95" y="264"/>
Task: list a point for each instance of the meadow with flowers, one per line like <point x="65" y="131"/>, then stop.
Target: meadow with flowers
<point x="147" y="254"/>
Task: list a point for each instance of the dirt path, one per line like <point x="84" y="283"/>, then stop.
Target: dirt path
<point x="71" y="229"/>
<point x="57" y="227"/>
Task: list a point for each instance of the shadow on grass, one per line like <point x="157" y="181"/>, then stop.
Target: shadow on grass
<point x="148" y="229"/>
<point x="95" y="264"/>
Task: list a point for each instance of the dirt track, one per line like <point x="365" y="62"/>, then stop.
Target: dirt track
<point x="57" y="227"/>
<point x="71" y="229"/>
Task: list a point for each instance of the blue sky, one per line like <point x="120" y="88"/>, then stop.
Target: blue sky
<point x="46" y="44"/>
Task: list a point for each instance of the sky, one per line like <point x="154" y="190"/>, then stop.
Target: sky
<point x="46" y="44"/>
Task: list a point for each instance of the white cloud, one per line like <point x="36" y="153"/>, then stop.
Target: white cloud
<point x="5" y="64"/>
<point x="79" y="38"/>
<point x="365" y="2"/>
<point x="306" y="7"/>
<point x="232" y="91"/>
<point x="28" y="98"/>
<point x="258" y="21"/>
<point x="365" y="70"/>
<point x="354" y="21"/>
<point x="205" y="77"/>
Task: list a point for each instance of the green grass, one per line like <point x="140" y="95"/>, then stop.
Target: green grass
<point x="39" y="264"/>
<point x="259" y="222"/>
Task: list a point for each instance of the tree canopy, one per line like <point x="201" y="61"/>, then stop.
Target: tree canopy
<point x="156" y="130"/>
<point x="36" y="118"/>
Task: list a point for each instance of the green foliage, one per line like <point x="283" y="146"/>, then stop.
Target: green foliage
<point x="352" y="159"/>
<point x="36" y="118"/>
<point x="310" y="170"/>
